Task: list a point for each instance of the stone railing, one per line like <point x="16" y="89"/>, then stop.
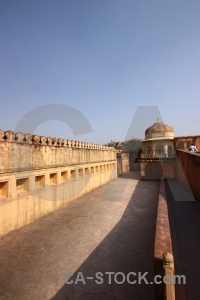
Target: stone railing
<point x="11" y="137"/>
<point x="163" y="248"/>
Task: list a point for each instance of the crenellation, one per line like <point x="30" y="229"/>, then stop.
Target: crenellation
<point x="68" y="142"/>
<point x="10" y="136"/>
<point x="60" y="142"/>
<point x="43" y="140"/>
<point x="2" y="136"/>
<point x="28" y="138"/>
<point x="19" y="137"/>
<point x="36" y="139"/>
<point x="54" y="141"/>
<point x="49" y="141"/>
<point x="63" y="143"/>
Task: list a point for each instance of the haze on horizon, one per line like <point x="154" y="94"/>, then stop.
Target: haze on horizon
<point x="107" y="59"/>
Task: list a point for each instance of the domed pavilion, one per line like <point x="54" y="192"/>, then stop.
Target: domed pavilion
<point x="159" y="141"/>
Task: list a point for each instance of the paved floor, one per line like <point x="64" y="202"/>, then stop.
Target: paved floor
<point x="111" y="229"/>
<point x="185" y="229"/>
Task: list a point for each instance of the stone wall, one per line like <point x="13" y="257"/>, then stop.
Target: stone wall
<point x="39" y="174"/>
<point x="188" y="171"/>
<point x="184" y="142"/>
<point x="156" y="169"/>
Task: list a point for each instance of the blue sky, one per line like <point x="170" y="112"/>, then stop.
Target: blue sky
<point x="104" y="58"/>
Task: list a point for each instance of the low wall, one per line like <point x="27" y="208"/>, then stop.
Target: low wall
<point x="157" y="169"/>
<point x="188" y="172"/>
<point x="20" y="151"/>
<point x="163" y="243"/>
<point x="39" y="174"/>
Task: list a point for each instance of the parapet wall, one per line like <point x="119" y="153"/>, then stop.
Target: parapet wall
<point x="27" y="152"/>
<point x="188" y="171"/>
<point x="39" y="174"/>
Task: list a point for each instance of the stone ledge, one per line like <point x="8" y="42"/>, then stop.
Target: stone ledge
<point x="21" y="138"/>
<point x="163" y="243"/>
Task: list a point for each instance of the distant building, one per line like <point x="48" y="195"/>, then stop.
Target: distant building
<point x="159" y="141"/>
<point x="184" y="142"/>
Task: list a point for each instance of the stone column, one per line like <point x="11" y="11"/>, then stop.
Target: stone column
<point x="154" y="150"/>
<point x="166" y="150"/>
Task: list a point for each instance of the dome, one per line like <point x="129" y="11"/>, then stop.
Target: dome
<point x="159" y="129"/>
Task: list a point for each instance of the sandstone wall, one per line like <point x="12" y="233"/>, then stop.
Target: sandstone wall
<point x="158" y="169"/>
<point x="184" y="142"/>
<point x="39" y="174"/>
<point x="188" y="171"/>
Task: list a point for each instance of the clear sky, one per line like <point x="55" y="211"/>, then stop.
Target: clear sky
<point x="104" y="58"/>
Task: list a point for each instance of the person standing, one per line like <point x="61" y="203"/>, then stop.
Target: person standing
<point x="193" y="148"/>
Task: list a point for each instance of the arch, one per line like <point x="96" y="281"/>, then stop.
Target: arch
<point x="181" y="145"/>
<point x="170" y="150"/>
<point x="159" y="149"/>
<point x="149" y="150"/>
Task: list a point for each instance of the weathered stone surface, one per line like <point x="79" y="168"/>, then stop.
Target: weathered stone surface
<point x="49" y="141"/>
<point x="10" y="136"/>
<point x="54" y="141"/>
<point x="36" y="139"/>
<point x="43" y="140"/>
<point x="2" y="136"/>
<point x="28" y="138"/>
<point x="20" y="137"/>
<point x="37" y="159"/>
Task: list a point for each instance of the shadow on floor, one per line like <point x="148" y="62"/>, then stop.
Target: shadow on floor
<point x="184" y="217"/>
<point x="129" y="247"/>
<point x="131" y="175"/>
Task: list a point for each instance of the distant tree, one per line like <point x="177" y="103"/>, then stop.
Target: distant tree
<point x="132" y="145"/>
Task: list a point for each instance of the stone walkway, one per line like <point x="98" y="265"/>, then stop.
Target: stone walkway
<point x="111" y="229"/>
<point x="185" y="229"/>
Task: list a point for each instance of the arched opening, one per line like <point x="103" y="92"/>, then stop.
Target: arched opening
<point x="159" y="151"/>
<point x="181" y="145"/>
<point x="150" y="150"/>
<point x="170" y="151"/>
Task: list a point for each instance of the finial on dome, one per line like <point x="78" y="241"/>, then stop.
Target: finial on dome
<point x="158" y="120"/>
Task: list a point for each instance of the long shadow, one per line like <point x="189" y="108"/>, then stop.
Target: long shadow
<point x="129" y="247"/>
<point x="184" y="217"/>
<point x="131" y="175"/>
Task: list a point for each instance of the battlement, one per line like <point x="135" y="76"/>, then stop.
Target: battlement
<point x="38" y="174"/>
<point x="26" y="138"/>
